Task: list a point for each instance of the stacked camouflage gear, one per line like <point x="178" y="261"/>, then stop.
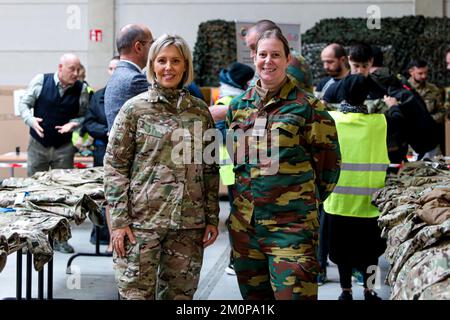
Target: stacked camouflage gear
<point x="43" y="205"/>
<point x="415" y="217"/>
<point x="71" y="193"/>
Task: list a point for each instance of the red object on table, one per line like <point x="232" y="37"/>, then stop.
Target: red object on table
<point x="79" y="165"/>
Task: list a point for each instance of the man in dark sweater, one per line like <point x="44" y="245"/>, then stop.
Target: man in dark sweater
<point x="59" y="102"/>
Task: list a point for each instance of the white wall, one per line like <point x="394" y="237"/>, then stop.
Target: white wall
<point x="35" y="34"/>
<point x="184" y="16"/>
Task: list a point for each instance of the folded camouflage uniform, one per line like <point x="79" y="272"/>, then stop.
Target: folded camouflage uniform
<point x="425" y="275"/>
<point x="415" y="220"/>
<point x="31" y="229"/>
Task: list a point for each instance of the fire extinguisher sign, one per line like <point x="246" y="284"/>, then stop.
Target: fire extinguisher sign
<point x="95" y="35"/>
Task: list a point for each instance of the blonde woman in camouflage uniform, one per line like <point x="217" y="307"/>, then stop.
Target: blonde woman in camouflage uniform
<point x="163" y="212"/>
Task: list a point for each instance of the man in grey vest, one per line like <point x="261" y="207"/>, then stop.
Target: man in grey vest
<point x="127" y="81"/>
<point x="59" y="102"/>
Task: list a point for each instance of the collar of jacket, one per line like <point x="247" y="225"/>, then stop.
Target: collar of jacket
<point x="170" y="95"/>
<point x="287" y="92"/>
<point x="415" y="85"/>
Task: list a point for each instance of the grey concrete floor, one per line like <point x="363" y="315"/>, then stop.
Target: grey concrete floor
<point x="92" y="278"/>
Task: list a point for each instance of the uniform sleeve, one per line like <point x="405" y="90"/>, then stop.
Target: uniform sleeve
<point x="438" y="99"/>
<point x="211" y="180"/>
<point x="118" y="160"/>
<point x="321" y="135"/>
<point x="229" y="115"/>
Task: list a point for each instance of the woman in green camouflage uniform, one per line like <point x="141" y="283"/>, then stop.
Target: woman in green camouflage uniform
<point x="274" y="222"/>
<point x="164" y="209"/>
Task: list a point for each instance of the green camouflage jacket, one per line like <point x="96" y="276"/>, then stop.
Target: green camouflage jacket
<point x="300" y="72"/>
<point x="308" y="160"/>
<point x="433" y="97"/>
<point x="144" y="186"/>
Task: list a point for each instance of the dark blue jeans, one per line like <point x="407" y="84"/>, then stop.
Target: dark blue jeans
<point x="322" y="252"/>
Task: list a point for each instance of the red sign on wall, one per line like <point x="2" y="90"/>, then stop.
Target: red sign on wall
<point x="95" y="35"/>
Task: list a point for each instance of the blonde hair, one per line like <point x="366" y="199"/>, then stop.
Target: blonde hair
<point x="163" y="42"/>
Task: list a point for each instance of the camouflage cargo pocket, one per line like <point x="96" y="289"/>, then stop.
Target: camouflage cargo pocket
<point x="127" y="268"/>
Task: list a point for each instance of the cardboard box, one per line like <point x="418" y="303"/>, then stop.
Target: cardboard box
<point x="13" y="131"/>
<point x="206" y="91"/>
<point x="211" y="94"/>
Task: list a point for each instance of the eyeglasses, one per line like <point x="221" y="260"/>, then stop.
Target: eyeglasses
<point x="144" y="42"/>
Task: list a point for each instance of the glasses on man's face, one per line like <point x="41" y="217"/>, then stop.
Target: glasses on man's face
<point x="146" y="41"/>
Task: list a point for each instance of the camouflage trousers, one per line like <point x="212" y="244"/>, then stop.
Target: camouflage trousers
<point x="163" y="264"/>
<point x="275" y="261"/>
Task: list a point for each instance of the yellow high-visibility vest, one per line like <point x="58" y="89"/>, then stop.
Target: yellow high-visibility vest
<point x="226" y="170"/>
<point x="362" y="140"/>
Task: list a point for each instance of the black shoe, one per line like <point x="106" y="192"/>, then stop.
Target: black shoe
<point x="321" y="278"/>
<point x="63" y="247"/>
<point x="370" y="295"/>
<point x="345" y="296"/>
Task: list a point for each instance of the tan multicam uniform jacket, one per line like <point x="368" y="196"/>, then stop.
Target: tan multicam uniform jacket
<point x="144" y="187"/>
<point x="434" y="99"/>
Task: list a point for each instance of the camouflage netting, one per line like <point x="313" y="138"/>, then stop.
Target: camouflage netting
<point x="215" y="49"/>
<point x="399" y="38"/>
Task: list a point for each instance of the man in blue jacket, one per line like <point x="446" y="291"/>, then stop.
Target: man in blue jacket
<point x="133" y="44"/>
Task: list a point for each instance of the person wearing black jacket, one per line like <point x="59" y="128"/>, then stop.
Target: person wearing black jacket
<point x="95" y="120"/>
<point x="408" y="120"/>
<point x="97" y="127"/>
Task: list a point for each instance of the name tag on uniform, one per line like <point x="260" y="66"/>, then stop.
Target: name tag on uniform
<point x="259" y="129"/>
<point x="20" y="198"/>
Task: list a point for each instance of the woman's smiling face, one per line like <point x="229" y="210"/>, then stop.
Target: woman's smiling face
<point x="271" y="62"/>
<point x="169" y="67"/>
